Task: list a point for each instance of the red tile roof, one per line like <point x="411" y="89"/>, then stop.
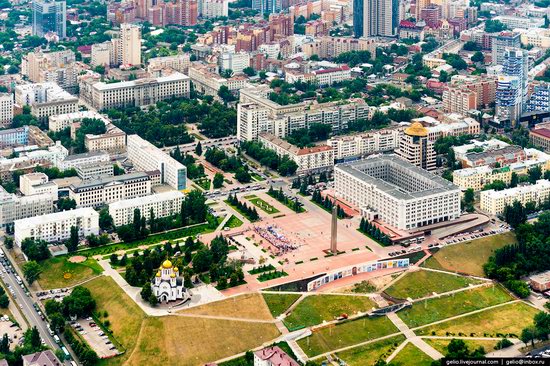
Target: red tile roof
<point x="544" y="132"/>
<point x="276" y="356"/>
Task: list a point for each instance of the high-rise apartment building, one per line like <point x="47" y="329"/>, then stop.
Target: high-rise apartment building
<point x="6" y="109"/>
<point x="130" y="39"/>
<point x="416" y="148"/>
<point x="49" y="16"/>
<point x="189" y="12"/>
<point x="516" y="63"/>
<point x="375" y="18"/>
<point x="501" y="42"/>
<point x="508" y="100"/>
<point x="540" y="99"/>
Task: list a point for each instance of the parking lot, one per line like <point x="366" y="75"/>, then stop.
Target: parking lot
<point x="13" y="331"/>
<point x="57" y="294"/>
<point x="95" y="337"/>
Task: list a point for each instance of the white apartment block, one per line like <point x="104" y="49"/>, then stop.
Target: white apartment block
<point x="63" y="121"/>
<point x="396" y="192"/>
<point x="494" y="202"/>
<point x="37" y="183"/>
<point x="236" y="62"/>
<point x="55" y="227"/>
<point x="520" y="22"/>
<point x="14" y="208"/>
<point x="110" y="141"/>
<point x="453" y="124"/>
<point x="215" y="8"/>
<point x="74" y="161"/>
<point x="179" y="63"/>
<point x="251" y="121"/>
<point x="162" y="204"/>
<point x="364" y="144"/>
<point x="137" y="93"/>
<point x="281" y="120"/>
<point x="332" y="75"/>
<point x="95" y="171"/>
<point x="103" y="54"/>
<point x="6" y="109"/>
<point x="95" y="193"/>
<point x="208" y="82"/>
<point x="309" y="159"/>
<point x="145" y="156"/>
<point x="45" y="100"/>
<point x="130" y="38"/>
<point x="54" y="155"/>
<point x="478" y="177"/>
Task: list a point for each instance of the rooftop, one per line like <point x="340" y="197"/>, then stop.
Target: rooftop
<point x="541" y="277"/>
<point x="295" y="150"/>
<point x="133" y="202"/>
<point x="276" y="356"/>
<point x="544" y="132"/>
<point x="104" y="181"/>
<point x="57" y="216"/>
<point x="175" y="76"/>
<point x="44" y="358"/>
<point x="399" y="166"/>
<point x="86" y="155"/>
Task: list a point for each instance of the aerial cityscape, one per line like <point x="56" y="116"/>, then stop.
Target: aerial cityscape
<point x="274" y="183"/>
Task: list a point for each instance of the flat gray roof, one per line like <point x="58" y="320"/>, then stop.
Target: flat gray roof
<point x="356" y="169"/>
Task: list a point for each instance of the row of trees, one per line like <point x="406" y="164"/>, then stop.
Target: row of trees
<point x="267" y="157"/>
<point x="540" y="330"/>
<point x="327" y="204"/>
<point x="530" y="254"/>
<point x="249" y="211"/>
<point x="233" y="164"/>
<point x="280" y="196"/>
<point x="374" y="232"/>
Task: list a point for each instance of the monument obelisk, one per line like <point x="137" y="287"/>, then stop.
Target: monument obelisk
<point x="334" y="231"/>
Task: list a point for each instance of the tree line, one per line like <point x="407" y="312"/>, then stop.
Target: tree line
<point x="269" y="158"/>
<point x="327" y="203"/>
<point x="374" y="232"/>
<point x="249" y="212"/>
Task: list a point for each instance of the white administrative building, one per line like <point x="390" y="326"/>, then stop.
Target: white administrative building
<point x="56" y="226"/>
<point x="494" y="202"/>
<point x="161" y="204"/>
<point x="397" y="192"/>
<point x="146" y="156"/>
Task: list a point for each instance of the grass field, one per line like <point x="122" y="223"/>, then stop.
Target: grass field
<point x="441" y="344"/>
<point x="411" y="355"/>
<point x="368" y="354"/>
<point x="314" y="309"/>
<point x="506" y="319"/>
<point x="59" y="272"/>
<point x="263" y="205"/>
<point x="233" y="222"/>
<point x="470" y="256"/>
<point x="248" y="306"/>
<point x="278" y="303"/>
<point x="125" y="316"/>
<point x="173" y="340"/>
<point x="346" y="334"/>
<point x="432" y="310"/>
<point x="423" y="283"/>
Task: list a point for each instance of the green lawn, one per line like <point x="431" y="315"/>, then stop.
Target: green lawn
<point x="432" y="310"/>
<point x="289" y="203"/>
<point x="441" y="344"/>
<point x="423" y="283"/>
<point x="203" y="182"/>
<point x="470" y="256"/>
<point x="233" y="222"/>
<point x="263" y="205"/>
<point x="58" y="272"/>
<point x="155" y="238"/>
<point x="279" y="303"/>
<point x="411" y="355"/>
<point x="346" y="334"/>
<point x="315" y="309"/>
<point x="502" y="321"/>
<point x="368" y="354"/>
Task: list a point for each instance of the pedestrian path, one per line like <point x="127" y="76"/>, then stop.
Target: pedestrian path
<point x="413" y="338"/>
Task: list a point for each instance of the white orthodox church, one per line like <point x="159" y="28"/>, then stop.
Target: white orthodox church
<point x="168" y="284"/>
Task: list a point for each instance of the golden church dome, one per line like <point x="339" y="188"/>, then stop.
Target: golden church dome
<point x="416" y="129"/>
<point x="166" y="264"/>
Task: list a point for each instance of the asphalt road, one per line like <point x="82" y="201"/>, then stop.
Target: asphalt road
<point x="25" y="303"/>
